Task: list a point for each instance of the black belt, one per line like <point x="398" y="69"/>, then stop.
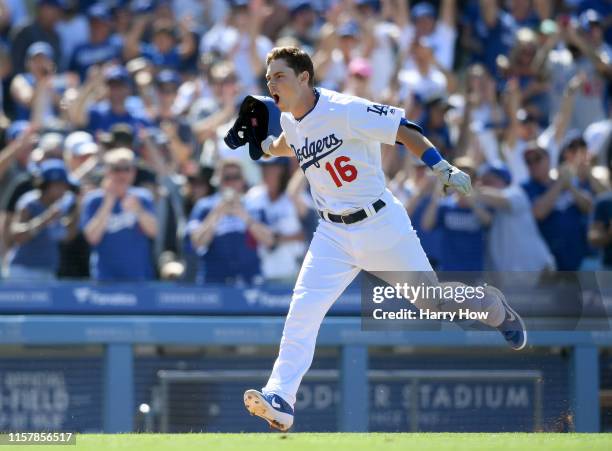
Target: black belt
<point x="354" y="217"/>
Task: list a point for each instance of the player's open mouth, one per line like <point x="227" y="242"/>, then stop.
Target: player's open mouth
<point x="276" y="98"/>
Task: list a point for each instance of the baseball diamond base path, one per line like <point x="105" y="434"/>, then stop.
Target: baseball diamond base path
<point x="339" y="442"/>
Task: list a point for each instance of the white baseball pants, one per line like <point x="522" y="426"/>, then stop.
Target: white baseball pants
<point x="385" y="241"/>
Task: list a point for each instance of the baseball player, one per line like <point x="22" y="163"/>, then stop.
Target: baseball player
<point x="336" y="140"/>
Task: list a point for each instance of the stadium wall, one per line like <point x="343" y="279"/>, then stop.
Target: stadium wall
<point x="91" y="372"/>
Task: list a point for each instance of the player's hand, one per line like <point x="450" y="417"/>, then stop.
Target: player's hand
<point x="452" y="177"/>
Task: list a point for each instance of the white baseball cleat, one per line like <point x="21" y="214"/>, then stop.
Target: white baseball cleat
<point x="272" y="408"/>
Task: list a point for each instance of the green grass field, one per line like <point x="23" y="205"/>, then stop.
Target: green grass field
<point x="338" y="442"/>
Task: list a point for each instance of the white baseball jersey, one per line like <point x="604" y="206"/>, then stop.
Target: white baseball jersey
<point x="337" y="145"/>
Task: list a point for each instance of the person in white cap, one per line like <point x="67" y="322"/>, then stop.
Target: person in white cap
<point x="79" y="146"/>
<point x="119" y="216"/>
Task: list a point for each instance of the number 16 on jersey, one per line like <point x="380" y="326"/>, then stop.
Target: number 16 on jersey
<point x="341" y="170"/>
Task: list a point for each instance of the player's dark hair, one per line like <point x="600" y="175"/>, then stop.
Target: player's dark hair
<point x="296" y="58"/>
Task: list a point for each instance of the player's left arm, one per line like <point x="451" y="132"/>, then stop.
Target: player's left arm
<point x="411" y="137"/>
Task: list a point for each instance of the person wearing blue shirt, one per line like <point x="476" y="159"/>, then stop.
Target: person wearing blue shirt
<point x="600" y="230"/>
<point x="119" y="223"/>
<point x="435" y="126"/>
<point x="524" y="13"/>
<point x="103" y="115"/>
<point x="44" y="217"/>
<point x="99" y="49"/>
<point x="603" y="8"/>
<point x="559" y="206"/>
<point x="166" y="49"/>
<point x="420" y="193"/>
<point x="225" y="233"/>
<point x="463" y="224"/>
<point x="491" y="34"/>
<point x="42" y="83"/>
<point x="42" y="28"/>
<point x="574" y="155"/>
<point x="176" y="130"/>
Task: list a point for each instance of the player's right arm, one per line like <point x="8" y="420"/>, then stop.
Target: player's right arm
<point x="277" y="147"/>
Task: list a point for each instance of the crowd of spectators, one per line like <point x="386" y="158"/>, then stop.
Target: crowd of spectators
<point x="112" y="117"/>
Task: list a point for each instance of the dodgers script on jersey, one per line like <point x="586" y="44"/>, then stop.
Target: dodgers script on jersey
<point x="337" y="145"/>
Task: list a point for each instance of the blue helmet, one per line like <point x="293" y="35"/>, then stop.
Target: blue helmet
<point x="273" y="114"/>
<point x="258" y="118"/>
